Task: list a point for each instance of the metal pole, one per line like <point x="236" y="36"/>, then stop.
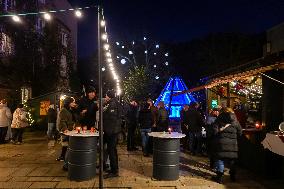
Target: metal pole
<point x="101" y="184"/>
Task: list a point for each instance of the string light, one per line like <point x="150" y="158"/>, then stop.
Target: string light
<point x="78" y="13"/>
<point x="16" y="18"/>
<point x="47" y="16"/>
<point x="109" y="59"/>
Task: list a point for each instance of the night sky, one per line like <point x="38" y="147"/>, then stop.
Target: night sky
<point x="176" y="21"/>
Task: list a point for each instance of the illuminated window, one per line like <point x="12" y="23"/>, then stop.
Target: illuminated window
<point x="6" y="45"/>
<point x="64" y="39"/>
<point x="8" y="4"/>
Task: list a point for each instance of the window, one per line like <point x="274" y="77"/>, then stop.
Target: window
<point x="64" y="39"/>
<point x="5" y="44"/>
<point x="8" y="4"/>
<point x="63" y="66"/>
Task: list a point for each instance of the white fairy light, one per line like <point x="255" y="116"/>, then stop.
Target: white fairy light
<point x="104" y="36"/>
<point x="78" y="13"/>
<point x="16" y="18"/>
<point x="47" y="16"/>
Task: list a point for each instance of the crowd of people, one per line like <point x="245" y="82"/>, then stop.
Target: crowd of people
<point x="219" y="142"/>
<point x="12" y="126"/>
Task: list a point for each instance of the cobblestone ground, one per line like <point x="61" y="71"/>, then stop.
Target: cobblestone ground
<point x="33" y="165"/>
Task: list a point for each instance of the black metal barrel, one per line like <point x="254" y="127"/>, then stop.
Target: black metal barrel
<point x="166" y="158"/>
<point x="82" y="158"/>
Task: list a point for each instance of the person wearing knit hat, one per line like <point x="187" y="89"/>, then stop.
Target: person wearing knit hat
<point x="88" y="108"/>
<point x="112" y="127"/>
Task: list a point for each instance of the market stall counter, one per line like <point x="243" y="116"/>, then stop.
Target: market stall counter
<point x="274" y="141"/>
<point x="82" y="155"/>
<point x="166" y="150"/>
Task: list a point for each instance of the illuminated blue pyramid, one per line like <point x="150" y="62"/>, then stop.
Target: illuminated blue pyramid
<point x="174" y="85"/>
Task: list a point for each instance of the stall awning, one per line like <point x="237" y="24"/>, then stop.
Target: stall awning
<point x="233" y="77"/>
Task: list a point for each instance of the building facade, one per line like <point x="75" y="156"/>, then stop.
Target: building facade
<point x="45" y="49"/>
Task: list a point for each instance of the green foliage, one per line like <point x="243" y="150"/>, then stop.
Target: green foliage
<point x="137" y="84"/>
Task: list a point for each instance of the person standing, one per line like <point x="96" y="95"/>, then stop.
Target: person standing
<point x="146" y="122"/>
<point x="163" y="118"/>
<point x="154" y="113"/>
<point x="112" y="127"/>
<point x="211" y="118"/>
<point x="132" y="116"/>
<point x="184" y="126"/>
<point x="195" y="124"/>
<point x="51" y="122"/>
<point x="225" y="143"/>
<point x="19" y="123"/>
<point x="5" y="120"/>
<point x="88" y="108"/>
<point x="66" y="121"/>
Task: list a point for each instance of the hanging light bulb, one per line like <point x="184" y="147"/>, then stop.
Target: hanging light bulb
<point x="104" y="36"/>
<point x="47" y="16"/>
<point x="130" y="52"/>
<point x="108" y="54"/>
<point x="16" y="18"/>
<point x="106" y="46"/>
<point x="103" y="23"/>
<point x="123" y="61"/>
<point x="78" y="13"/>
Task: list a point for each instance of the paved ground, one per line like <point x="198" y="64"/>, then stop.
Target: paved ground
<point x="33" y="165"/>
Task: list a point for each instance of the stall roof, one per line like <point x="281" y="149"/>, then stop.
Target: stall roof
<point x="273" y="61"/>
<point x="237" y="76"/>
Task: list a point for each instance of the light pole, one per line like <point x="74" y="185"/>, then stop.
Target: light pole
<point x="101" y="184"/>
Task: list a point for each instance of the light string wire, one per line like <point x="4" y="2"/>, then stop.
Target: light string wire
<point x="47" y="11"/>
<point x="108" y="55"/>
<point x="272" y="78"/>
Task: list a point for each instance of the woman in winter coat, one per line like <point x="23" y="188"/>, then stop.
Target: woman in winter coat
<point x="225" y="144"/>
<point x="5" y="120"/>
<point x="19" y="123"/>
<point x="146" y="122"/>
<point x="65" y="121"/>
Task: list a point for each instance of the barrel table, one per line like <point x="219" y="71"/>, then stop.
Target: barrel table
<point x="166" y="150"/>
<point x="82" y="153"/>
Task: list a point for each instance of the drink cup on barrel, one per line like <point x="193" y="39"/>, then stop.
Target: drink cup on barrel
<point x="85" y="129"/>
<point x="78" y="129"/>
<point x="92" y="130"/>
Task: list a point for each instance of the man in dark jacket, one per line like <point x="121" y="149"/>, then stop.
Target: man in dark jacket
<point x="184" y="126"/>
<point x="132" y="118"/>
<point x="88" y="108"/>
<point x="145" y="120"/>
<point x="195" y="123"/>
<point x="112" y="127"/>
